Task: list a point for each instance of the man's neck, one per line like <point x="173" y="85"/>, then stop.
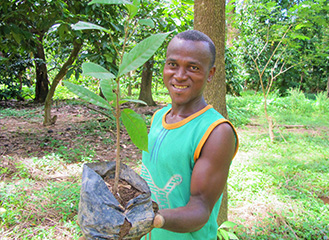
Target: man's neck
<point x="180" y="112"/>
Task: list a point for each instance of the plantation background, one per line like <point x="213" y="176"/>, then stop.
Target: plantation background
<point x="276" y="56"/>
<point x="276" y="191"/>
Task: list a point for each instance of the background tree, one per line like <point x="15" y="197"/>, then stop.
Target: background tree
<point x="27" y="22"/>
<point x="145" y="93"/>
<point x="305" y="43"/>
<point x="97" y="44"/>
<point x="165" y="16"/>
<point x="209" y="17"/>
<point x="26" y="29"/>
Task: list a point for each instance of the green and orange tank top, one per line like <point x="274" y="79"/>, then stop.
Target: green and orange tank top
<point x="167" y="166"/>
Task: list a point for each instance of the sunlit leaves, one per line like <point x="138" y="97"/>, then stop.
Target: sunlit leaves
<point x="96" y="71"/>
<point x="87" y="95"/>
<point x="86" y="25"/>
<point x="110" y="2"/>
<point x="107" y="90"/>
<point x="147" y="22"/>
<point x="136" y="128"/>
<point x="133" y="8"/>
<point x="141" y="53"/>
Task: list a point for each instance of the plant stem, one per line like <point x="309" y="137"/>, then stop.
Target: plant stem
<point x="117" y="116"/>
<point x="117" y="158"/>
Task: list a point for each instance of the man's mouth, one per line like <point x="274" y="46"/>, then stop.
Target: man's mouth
<point x="180" y="87"/>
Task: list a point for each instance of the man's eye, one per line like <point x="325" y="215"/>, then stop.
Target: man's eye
<point x="194" y="68"/>
<point x="171" y="64"/>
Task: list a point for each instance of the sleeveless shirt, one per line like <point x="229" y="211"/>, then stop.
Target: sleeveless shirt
<point x="167" y="166"/>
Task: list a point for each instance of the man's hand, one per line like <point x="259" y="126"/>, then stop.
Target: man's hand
<point x="158" y="221"/>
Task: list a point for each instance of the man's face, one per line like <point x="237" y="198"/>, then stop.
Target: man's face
<point x="187" y="70"/>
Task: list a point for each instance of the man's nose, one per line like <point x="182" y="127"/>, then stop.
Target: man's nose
<point x="180" y="74"/>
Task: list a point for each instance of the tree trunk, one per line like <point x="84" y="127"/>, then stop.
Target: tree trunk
<point x="48" y="120"/>
<point x="269" y="121"/>
<point x="41" y="88"/>
<point x="301" y="82"/>
<point x="209" y="18"/>
<point x="145" y="93"/>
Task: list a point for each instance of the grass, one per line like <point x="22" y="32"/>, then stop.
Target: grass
<point x="20" y="113"/>
<point x="275" y="190"/>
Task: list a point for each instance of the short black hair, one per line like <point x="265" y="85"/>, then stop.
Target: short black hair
<point x="194" y="35"/>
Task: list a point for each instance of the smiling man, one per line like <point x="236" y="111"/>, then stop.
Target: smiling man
<point x="191" y="145"/>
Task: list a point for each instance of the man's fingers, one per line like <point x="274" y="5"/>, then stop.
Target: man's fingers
<point x="158" y="221"/>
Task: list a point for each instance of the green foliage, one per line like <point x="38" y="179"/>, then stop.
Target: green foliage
<point x="322" y="103"/>
<point x="81" y="153"/>
<point x="275" y="190"/>
<point x="295" y="108"/>
<point x="261" y="25"/>
<point x="88" y="95"/>
<point x="298" y="103"/>
<point x="25" y="201"/>
<point x="234" y="80"/>
<point x="277" y="187"/>
<point x="224" y="232"/>
<point x="135" y="58"/>
<point x="136" y="127"/>
<point x="242" y="109"/>
<point x="141" y="53"/>
<point x="44" y="36"/>
<point x="13" y="76"/>
<point x="129" y="62"/>
<point x="21" y="113"/>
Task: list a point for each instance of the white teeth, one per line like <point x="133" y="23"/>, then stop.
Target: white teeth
<point x="180" y="87"/>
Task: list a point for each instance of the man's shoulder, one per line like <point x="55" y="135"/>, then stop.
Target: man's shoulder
<point x="160" y="112"/>
<point x="211" y="114"/>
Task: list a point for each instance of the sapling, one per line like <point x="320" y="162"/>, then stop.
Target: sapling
<point x="110" y="83"/>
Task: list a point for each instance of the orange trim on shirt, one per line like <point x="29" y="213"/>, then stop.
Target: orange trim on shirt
<point x="208" y="132"/>
<point x="184" y="121"/>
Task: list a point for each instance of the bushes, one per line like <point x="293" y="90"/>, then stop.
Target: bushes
<point x="295" y="108"/>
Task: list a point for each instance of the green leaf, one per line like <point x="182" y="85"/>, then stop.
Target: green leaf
<point x="133" y="8"/>
<point x="227" y="224"/>
<point x="86" y="25"/>
<point x="17" y="37"/>
<point x="141" y="53"/>
<point x="190" y="2"/>
<point x="224" y="234"/>
<point x="146" y="22"/>
<point x="87" y="95"/>
<point x="299" y="26"/>
<point x="96" y="71"/>
<point x="110" y="2"/>
<point x="136" y="128"/>
<point x="69" y="73"/>
<point x="232" y="236"/>
<point x="107" y="90"/>
<point x="122" y="101"/>
<point x="299" y="36"/>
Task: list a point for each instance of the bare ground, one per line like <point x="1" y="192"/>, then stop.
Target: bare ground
<point x="80" y="131"/>
<point x="79" y="135"/>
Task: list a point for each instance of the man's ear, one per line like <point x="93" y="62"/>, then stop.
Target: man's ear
<point x="211" y="73"/>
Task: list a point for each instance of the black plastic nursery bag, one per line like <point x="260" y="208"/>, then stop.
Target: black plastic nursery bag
<point x="100" y="215"/>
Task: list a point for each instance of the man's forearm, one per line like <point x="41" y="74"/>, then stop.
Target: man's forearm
<point x="189" y="218"/>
